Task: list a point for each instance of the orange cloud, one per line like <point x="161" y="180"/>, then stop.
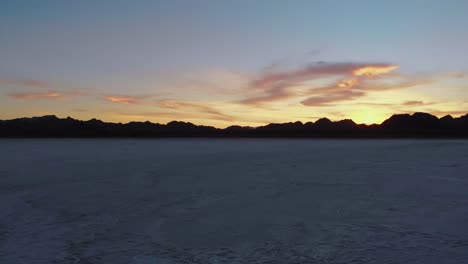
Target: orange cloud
<point x="123" y="99"/>
<point x="374" y="70"/>
<point x="52" y="95"/>
<point x="30" y="96"/>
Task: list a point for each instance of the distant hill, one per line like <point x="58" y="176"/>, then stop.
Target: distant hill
<point x="418" y="125"/>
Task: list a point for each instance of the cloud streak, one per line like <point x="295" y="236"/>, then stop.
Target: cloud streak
<point x="276" y="86"/>
<point x="322" y="69"/>
<point x="27" y="83"/>
<point x="43" y="90"/>
<point x="353" y="88"/>
<point x="413" y="103"/>
<point x="332" y="97"/>
<point x="373" y="70"/>
<point x="349" y="81"/>
<point x="196" y="107"/>
<point x="50" y="95"/>
<point x="123" y="99"/>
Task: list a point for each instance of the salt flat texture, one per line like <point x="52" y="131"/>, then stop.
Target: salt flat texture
<point x="233" y="201"/>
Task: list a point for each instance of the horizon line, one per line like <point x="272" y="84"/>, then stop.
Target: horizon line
<point x="233" y="125"/>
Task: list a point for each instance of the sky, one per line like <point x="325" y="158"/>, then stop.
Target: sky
<point x="242" y="62"/>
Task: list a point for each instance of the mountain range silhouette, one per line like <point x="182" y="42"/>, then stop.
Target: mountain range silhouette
<point x="417" y="125"/>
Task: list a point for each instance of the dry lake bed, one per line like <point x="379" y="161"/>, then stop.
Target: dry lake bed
<point x="170" y="201"/>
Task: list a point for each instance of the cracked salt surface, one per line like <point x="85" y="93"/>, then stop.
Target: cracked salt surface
<point x="233" y="201"/>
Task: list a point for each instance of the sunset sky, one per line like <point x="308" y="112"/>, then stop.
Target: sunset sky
<point x="233" y="62"/>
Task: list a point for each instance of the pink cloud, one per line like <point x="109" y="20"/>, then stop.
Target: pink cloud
<point x="276" y="85"/>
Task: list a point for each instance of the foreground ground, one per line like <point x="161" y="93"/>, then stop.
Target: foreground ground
<point x="233" y="201"/>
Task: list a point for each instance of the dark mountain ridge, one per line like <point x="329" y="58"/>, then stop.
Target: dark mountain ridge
<point x="418" y="125"/>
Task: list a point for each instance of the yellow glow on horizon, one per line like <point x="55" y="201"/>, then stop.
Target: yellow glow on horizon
<point x="368" y="116"/>
<point x="371" y="71"/>
<point x="378" y="96"/>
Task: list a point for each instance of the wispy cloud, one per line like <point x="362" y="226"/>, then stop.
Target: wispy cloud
<point x="355" y="87"/>
<point x="124" y="99"/>
<point x="277" y="85"/>
<point x="349" y="81"/>
<point x="413" y="103"/>
<point x="332" y="97"/>
<point x="397" y="105"/>
<point x="212" y="112"/>
<point x="31" y="96"/>
<point x="27" y="83"/>
<point x="43" y="90"/>
<point x="271" y="94"/>
<point x="373" y="70"/>
<point x="50" y="95"/>
<point x="322" y="69"/>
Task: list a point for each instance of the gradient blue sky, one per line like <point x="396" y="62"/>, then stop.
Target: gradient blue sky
<point x="201" y="61"/>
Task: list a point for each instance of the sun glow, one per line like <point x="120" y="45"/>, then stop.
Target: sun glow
<point x="368" y="116"/>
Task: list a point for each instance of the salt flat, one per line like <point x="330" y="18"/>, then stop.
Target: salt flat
<point x="233" y="201"/>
